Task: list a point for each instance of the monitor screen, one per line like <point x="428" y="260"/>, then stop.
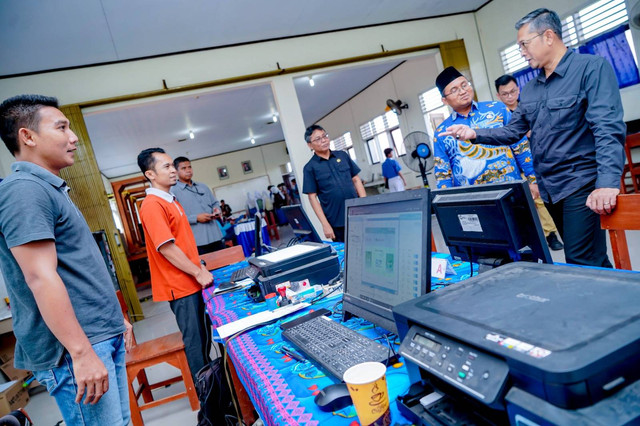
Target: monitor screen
<point x="300" y="223"/>
<point x="491" y="224"/>
<point x="387" y="254"/>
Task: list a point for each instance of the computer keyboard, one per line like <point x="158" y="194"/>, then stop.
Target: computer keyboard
<point x="332" y="345"/>
<point x="240" y="274"/>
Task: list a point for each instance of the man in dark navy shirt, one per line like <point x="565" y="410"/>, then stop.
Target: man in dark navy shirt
<point x="574" y="111"/>
<point x="330" y="178"/>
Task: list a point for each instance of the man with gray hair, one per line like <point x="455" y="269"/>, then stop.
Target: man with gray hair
<point x="330" y="178"/>
<point x="574" y="111"/>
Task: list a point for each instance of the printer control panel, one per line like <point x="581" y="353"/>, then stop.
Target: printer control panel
<point x="476" y="373"/>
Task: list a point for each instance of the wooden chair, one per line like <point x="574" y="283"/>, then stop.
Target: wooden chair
<point x="272" y="226"/>
<point x="169" y="349"/>
<point x="224" y="257"/>
<point x="631" y="170"/>
<point x="625" y="216"/>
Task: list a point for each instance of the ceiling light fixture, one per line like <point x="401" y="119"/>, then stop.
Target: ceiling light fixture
<point x="253" y="141"/>
<point x="191" y="134"/>
<point x="311" y="82"/>
<point x="275" y="118"/>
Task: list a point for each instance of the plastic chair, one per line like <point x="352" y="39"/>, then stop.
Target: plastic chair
<point x="631" y="170"/>
<point x="625" y="216"/>
<point x="169" y="349"/>
<point x="224" y="257"/>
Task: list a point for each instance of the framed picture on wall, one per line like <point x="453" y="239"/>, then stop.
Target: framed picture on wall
<point x="223" y="173"/>
<point x="246" y="167"/>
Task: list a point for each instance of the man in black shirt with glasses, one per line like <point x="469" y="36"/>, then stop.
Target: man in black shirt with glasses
<point x="201" y="206"/>
<point x="330" y="178"/>
<point x="574" y="111"/>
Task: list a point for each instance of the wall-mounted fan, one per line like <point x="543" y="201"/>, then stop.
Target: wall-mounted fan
<point x="419" y="156"/>
<point x="396" y="106"/>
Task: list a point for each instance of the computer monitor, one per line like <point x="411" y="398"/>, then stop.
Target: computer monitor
<point x="387" y="254"/>
<point x="299" y="221"/>
<point x="491" y="224"/>
<point x="257" y="222"/>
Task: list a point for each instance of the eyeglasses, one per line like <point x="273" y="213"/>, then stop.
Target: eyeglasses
<point x="522" y="45"/>
<point x="510" y="93"/>
<point x="458" y="90"/>
<point x="316" y="140"/>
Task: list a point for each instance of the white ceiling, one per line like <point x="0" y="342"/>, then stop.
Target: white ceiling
<point x="222" y="121"/>
<point x="40" y="35"/>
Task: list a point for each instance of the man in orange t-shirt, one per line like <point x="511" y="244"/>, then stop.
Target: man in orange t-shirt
<point x="176" y="273"/>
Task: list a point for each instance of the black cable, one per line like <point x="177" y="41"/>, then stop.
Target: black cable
<point x="470" y="255"/>
<point x="293" y="241"/>
<point x="336" y="309"/>
<point x="226" y="366"/>
<point x="389" y="351"/>
<point x="319" y="298"/>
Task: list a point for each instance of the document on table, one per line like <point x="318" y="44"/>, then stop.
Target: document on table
<point x="262" y="317"/>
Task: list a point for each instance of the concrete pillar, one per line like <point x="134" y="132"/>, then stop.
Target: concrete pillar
<point x="293" y="128"/>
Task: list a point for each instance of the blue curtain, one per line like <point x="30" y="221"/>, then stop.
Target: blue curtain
<point x="523" y="76"/>
<point x="614" y="47"/>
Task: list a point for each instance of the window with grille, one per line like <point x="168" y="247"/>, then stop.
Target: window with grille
<point x="344" y="143"/>
<point x="381" y="133"/>
<point x="433" y="110"/>
<point x="577" y="28"/>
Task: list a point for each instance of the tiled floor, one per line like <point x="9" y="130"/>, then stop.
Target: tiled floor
<point x="159" y="321"/>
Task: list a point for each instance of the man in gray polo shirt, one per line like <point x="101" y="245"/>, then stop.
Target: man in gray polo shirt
<point x="201" y="206"/>
<point x="67" y="320"/>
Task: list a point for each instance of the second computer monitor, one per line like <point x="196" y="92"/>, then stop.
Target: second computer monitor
<point x="387" y="254"/>
<point x="491" y="224"/>
<point x="300" y="223"/>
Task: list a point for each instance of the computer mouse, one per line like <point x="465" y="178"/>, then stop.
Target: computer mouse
<point x="333" y="398"/>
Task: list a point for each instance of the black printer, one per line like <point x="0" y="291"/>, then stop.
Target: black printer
<point x="316" y="262"/>
<point x="526" y="344"/>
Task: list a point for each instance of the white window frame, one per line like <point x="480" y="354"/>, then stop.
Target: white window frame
<point x="344" y="143"/>
<point x="387" y="127"/>
<point x="578" y="28"/>
<point x="434" y="110"/>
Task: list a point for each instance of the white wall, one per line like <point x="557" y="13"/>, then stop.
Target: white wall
<point x="405" y="82"/>
<point x="266" y="160"/>
<point x="5" y="161"/>
<point x="496" y="26"/>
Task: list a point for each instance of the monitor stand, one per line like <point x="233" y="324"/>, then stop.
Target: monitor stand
<point x="488" y="263"/>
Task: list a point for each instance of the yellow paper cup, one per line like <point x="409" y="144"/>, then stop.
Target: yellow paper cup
<point x="367" y="386"/>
